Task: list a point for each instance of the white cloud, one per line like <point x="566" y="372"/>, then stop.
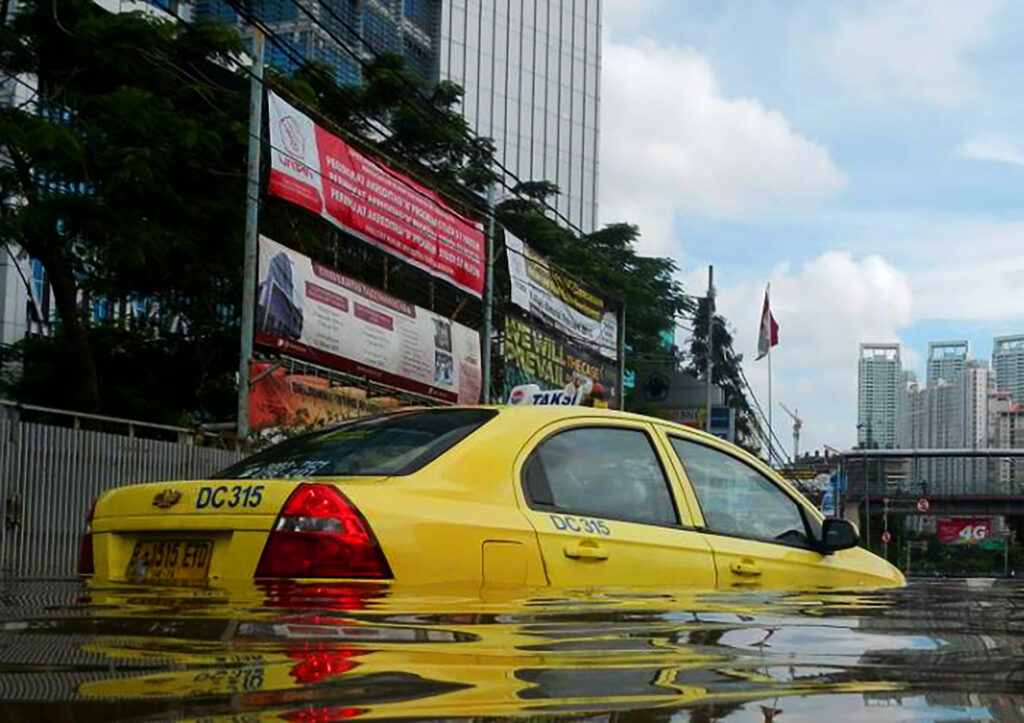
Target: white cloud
<point x="825" y="308"/>
<point x="911" y="49"/>
<point x="624" y="15"/>
<point x="672" y="141"/>
<point x="998" y="150"/>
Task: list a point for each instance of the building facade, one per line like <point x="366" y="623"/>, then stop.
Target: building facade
<point x="1008" y="365"/>
<point x="945" y="360"/>
<point x="878" y="384"/>
<point x="1006" y="431"/>
<point x="532" y="70"/>
<point x="333" y="32"/>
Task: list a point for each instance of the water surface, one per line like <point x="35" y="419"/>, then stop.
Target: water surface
<point x="937" y="650"/>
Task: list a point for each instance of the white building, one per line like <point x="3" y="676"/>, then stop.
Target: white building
<point x="1008" y="364"/>
<point x="532" y="75"/>
<point x="1006" y="431"/>
<point x="945" y="360"/>
<point x="878" y="385"/>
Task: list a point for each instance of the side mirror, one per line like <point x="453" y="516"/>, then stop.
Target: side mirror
<point x="838" y="534"/>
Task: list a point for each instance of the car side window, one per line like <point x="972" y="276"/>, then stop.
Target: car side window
<point x="603" y="472"/>
<point x="736" y="499"/>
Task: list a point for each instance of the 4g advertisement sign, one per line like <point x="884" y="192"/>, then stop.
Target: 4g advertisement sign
<point x="963" y="530"/>
<point x="534" y="357"/>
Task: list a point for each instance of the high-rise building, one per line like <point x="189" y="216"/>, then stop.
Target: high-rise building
<point x="945" y="360"/>
<point x="1008" y="365"/>
<point x="878" y="385"/>
<point x="531" y="71"/>
<point x="1006" y="431"/>
<point x="904" y="413"/>
<point x="336" y="32"/>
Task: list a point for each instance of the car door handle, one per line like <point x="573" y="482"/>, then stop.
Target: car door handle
<point x="585" y="550"/>
<point x="745" y="568"/>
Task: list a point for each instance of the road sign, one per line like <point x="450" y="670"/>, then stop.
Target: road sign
<point x="886" y="537"/>
<point x="923" y="505"/>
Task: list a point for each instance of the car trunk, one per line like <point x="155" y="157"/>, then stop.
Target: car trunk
<point x="195" y="532"/>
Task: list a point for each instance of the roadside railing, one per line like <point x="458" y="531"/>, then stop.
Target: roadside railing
<point x="53" y="464"/>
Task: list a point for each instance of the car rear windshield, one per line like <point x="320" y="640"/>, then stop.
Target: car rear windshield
<point x="397" y="444"/>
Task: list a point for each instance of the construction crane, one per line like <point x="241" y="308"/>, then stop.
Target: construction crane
<point x="797" y="424"/>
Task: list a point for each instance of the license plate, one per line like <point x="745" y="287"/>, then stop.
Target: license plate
<point x="170" y="560"/>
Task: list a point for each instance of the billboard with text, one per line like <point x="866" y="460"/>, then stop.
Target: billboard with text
<point x="534" y="357"/>
<point x="310" y="311"/>
<point x="556" y="298"/>
<point x="322" y="173"/>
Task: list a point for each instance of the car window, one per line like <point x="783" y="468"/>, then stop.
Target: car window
<point x="736" y="499"/>
<point x="396" y="444"/>
<point x="603" y="472"/>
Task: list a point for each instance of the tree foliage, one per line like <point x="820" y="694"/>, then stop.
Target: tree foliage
<point x="726" y="370"/>
<point x="608" y="262"/>
<point x="124" y="178"/>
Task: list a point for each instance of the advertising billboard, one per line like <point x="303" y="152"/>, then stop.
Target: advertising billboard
<point x="279" y="399"/>
<point x="963" y="530"/>
<point x="324" y="174"/>
<point x="310" y="311"/>
<point x="535" y="357"/>
<point x="559" y="300"/>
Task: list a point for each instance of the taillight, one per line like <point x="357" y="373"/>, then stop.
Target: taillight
<point x="319" y="533"/>
<point x="315" y="665"/>
<point x="86" y="566"/>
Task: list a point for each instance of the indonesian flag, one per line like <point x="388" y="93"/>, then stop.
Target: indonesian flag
<point x="769" y="335"/>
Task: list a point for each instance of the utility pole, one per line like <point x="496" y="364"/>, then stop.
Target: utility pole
<point x="251" y="233"/>
<point x="622" y="357"/>
<point x="485" y="362"/>
<point x="711" y="330"/>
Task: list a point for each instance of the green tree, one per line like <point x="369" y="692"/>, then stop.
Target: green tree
<point x="726" y="370"/>
<point x="607" y="261"/>
<point x="126" y="177"/>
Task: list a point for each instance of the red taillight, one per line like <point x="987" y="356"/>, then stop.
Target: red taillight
<point x="319" y="533"/>
<point x="85" y="557"/>
<point x="315" y="665"/>
<point x="322" y="714"/>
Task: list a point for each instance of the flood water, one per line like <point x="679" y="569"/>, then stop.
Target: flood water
<point x="947" y="650"/>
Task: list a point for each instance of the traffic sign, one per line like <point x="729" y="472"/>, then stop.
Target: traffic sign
<point x="886" y="537"/>
<point x="923" y="505"/>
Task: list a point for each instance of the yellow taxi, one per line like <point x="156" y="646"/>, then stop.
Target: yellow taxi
<point x="524" y="495"/>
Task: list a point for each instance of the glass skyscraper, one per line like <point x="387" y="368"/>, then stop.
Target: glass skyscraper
<point x="409" y="27"/>
<point x="531" y="71"/>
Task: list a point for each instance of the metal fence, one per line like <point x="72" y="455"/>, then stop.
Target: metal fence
<point x="54" y="463"/>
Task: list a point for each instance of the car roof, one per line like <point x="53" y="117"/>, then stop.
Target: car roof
<point x="547" y="413"/>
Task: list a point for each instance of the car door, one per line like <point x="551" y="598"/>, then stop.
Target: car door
<point x="759" y="531"/>
<point x="600" y="498"/>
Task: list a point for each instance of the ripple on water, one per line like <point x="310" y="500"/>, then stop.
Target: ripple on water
<point x="935" y="650"/>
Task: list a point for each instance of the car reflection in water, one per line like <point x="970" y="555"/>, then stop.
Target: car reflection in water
<point x="334" y="652"/>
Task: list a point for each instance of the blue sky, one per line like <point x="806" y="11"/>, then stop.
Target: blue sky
<point x="865" y="157"/>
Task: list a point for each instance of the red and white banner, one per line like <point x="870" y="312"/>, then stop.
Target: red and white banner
<point x="963" y="530"/>
<point x="310" y="311"/>
<point x="322" y="173"/>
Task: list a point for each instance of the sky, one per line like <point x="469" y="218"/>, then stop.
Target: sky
<point x="866" y="158"/>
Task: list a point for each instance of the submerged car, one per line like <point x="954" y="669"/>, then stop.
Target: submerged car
<point x="561" y="496"/>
